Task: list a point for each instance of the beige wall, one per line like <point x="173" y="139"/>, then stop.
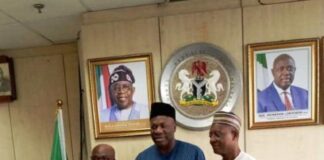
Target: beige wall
<point x="161" y="30"/>
<point x="112" y="39"/>
<point x="180" y="30"/>
<point x="285" y="22"/>
<point x="43" y="75"/>
<point x="159" y="36"/>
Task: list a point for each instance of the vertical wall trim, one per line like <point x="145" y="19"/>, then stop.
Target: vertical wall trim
<point x="243" y="90"/>
<point x="67" y="103"/>
<point x="160" y="43"/>
<point x="12" y="136"/>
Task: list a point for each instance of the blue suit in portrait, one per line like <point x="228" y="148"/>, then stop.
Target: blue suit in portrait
<point x="269" y="99"/>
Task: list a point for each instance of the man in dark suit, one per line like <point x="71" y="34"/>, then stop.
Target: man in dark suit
<point x="281" y="95"/>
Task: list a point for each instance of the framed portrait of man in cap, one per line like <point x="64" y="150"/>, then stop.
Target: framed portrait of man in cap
<point x="121" y="93"/>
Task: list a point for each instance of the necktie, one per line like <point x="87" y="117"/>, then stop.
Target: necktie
<point x="287" y="102"/>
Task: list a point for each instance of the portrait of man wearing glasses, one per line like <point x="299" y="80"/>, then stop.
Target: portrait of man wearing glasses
<point x="122" y="91"/>
<point x="281" y="95"/>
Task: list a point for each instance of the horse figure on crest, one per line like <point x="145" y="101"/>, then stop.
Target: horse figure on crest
<point x="186" y="83"/>
<point x="212" y="87"/>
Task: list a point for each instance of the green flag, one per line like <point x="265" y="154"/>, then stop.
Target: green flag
<point x="58" y="148"/>
<point x="262" y="74"/>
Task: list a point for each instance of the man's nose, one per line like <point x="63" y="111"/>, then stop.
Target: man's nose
<point x="158" y="130"/>
<point x="213" y="139"/>
<point x="285" y="71"/>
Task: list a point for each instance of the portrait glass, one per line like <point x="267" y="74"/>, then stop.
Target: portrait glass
<point x="5" y="88"/>
<point x="282" y="83"/>
<point x="7" y="80"/>
<point x="122" y="91"/>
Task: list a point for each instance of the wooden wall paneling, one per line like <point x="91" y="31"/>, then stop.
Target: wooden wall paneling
<point x="119" y="38"/>
<point x="221" y="28"/>
<point x="40" y="82"/>
<point x="6" y="145"/>
<point x="275" y="23"/>
<point x="148" y="11"/>
<point x="71" y="67"/>
<point x="283" y="22"/>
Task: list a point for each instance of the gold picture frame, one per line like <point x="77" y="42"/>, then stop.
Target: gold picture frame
<point x="282" y="82"/>
<point x="122" y="89"/>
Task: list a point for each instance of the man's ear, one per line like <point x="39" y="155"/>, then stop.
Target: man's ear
<point x="175" y="125"/>
<point x="236" y="134"/>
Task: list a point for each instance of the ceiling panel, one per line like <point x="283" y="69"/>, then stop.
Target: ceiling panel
<point x="4" y="19"/>
<point x="23" y="9"/>
<point x="62" y="29"/>
<point x="17" y="36"/>
<point x="109" y="4"/>
<point x="22" y="26"/>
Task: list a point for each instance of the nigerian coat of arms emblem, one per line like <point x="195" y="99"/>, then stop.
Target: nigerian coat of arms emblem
<point x="199" y="80"/>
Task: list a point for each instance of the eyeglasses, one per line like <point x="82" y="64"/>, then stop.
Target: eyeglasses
<point x="122" y="87"/>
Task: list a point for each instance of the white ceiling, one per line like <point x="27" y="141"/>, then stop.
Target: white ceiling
<point x="21" y="26"/>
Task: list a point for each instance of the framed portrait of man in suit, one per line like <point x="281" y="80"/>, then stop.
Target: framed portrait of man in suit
<point x="282" y="82"/>
<point x="121" y="94"/>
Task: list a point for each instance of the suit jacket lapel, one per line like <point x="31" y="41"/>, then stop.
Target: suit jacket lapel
<point x="295" y="98"/>
<point x="275" y="98"/>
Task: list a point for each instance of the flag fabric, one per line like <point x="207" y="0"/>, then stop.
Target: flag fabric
<point x="58" y="147"/>
<point x="106" y="82"/>
<point x="102" y="75"/>
<point x="262" y="74"/>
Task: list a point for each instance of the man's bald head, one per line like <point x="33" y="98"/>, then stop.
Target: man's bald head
<point x="103" y="151"/>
